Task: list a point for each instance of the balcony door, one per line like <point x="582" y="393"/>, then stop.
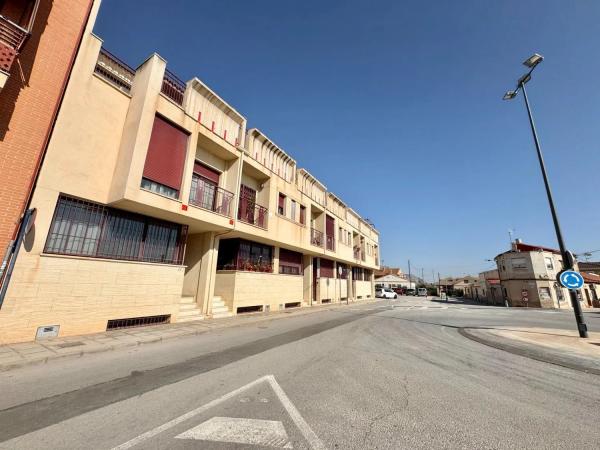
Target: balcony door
<point x="205" y="182"/>
<point x="247" y="204"/>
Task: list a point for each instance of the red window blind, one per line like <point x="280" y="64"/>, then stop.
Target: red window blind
<point x="290" y="262"/>
<point x="166" y="154"/>
<point x="302" y="214"/>
<point x="326" y="268"/>
<point x="281" y="204"/>
<point x="206" y="172"/>
<point x="329" y="225"/>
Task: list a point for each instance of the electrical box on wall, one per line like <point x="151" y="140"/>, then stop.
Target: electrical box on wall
<point x="47" y="331"/>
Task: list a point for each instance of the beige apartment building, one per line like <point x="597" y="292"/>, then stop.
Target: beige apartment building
<point x="155" y="204"/>
<point x="528" y="277"/>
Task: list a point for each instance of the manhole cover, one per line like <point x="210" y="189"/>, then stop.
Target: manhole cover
<point x="70" y="344"/>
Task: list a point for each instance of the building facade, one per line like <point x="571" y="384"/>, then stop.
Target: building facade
<point x="39" y="40"/>
<point x="528" y="277"/>
<point x="156" y="204"/>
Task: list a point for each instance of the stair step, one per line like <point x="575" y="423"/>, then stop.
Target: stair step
<point x="190" y="313"/>
<point x="220" y="309"/>
<point x="221" y="315"/>
<point x="189" y="319"/>
<point x="217" y="298"/>
<point x="188" y="306"/>
<point x="221" y="303"/>
<point x="187" y="300"/>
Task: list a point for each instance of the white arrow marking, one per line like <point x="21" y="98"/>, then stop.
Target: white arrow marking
<point x="307" y="432"/>
<point x="268" y="433"/>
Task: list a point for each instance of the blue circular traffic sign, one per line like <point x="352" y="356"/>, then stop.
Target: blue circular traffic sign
<point x="571" y="279"/>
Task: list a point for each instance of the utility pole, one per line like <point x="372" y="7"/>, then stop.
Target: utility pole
<point x="409" y="276"/>
<point x="567" y="257"/>
<point x="422" y="275"/>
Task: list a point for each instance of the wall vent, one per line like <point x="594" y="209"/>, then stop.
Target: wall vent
<point x="132" y="322"/>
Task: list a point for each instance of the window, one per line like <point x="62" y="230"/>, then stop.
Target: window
<point x="239" y="254"/>
<point x="519" y="263"/>
<point x="329" y="232"/>
<point x="165" y="158"/>
<point x="548" y="261"/>
<point x="293" y="210"/>
<point x="545" y="293"/>
<point x="341" y="234"/>
<point x="85" y="228"/>
<point x="357" y="273"/>
<point x="205" y="182"/>
<point x="326" y="268"/>
<point x="290" y="263"/>
<point x="349" y="238"/>
<point x="281" y="205"/>
<point x="342" y="271"/>
<point x="302" y="214"/>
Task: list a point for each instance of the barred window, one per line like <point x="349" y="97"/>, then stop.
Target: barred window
<point x="290" y="263"/>
<point x="83" y="228"/>
<point x="239" y="254"/>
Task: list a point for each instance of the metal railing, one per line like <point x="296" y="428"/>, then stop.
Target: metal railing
<point x="316" y="237"/>
<point x="356" y="252"/>
<point x="253" y="214"/>
<point x="173" y="87"/>
<point x="115" y="71"/>
<point x="208" y="196"/>
<point x="330" y="243"/>
<point x="12" y="34"/>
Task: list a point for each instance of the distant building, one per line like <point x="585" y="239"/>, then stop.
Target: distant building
<point x="528" y="277"/>
<point x="589" y="267"/>
<point x="459" y="286"/>
<point x="486" y="289"/>
<point x="395" y="281"/>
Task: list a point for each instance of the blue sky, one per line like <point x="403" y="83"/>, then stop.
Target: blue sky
<point x="404" y="100"/>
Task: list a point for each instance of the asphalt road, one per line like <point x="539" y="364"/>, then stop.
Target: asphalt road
<point x="391" y="374"/>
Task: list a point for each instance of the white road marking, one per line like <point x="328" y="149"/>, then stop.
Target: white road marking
<point x="268" y="433"/>
<point x="304" y="428"/>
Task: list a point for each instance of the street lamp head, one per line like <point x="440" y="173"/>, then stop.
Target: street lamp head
<point x="533" y="60"/>
<point x="509" y="95"/>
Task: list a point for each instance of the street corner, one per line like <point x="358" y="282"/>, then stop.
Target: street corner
<point x="258" y="414"/>
<point x="555" y="346"/>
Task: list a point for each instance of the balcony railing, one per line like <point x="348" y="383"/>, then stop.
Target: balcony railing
<point x="330" y="243"/>
<point x="356" y="252"/>
<point x="253" y="214"/>
<point x="12" y="34"/>
<point x="316" y="237"/>
<point x="208" y="196"/>
<point x="173" y="87"/>
<point x="115" y="71"/>
<point x="12" y="38"/>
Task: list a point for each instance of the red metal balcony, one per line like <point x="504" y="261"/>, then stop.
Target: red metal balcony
<point x="173" y="87"/>
<point x="253" y="214"/>
<point x="208" y="196"/>
<point x="12" y="38"/>
<point x="330" y="243"/>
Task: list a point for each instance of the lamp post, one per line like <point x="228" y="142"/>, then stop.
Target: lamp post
<point x="568" y="260"/>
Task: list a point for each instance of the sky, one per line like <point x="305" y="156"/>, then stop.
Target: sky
<point x="396" y="106"/>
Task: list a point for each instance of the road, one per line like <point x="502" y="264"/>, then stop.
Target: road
<point x="391" y="374"/>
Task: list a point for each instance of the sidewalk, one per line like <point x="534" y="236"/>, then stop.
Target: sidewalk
<point x="561" y="347"/>
<point x="39" y="352"/>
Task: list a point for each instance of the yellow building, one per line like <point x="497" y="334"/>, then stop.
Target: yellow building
<point x="155" y="204"/>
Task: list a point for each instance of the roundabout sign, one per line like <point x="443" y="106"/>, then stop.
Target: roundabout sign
<point x="570" y="279"/>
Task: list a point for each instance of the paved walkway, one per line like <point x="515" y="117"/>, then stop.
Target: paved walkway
<point x="26" y="353"/>
<point x="561" y="347"/>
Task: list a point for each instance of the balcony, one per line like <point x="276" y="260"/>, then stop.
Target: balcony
<point x="115" y="71"/>
<point x="253" y="214"/>
<point x="330" y="243"/>
<point x="316" y="237"/>
<point x="12" y="38"/>
<point x="357" y="252"/>
<point x="173" y="87"/>
<point x="210" y="197"/>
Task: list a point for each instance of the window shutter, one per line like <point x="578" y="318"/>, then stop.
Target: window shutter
<point x="329" y="225"/>
<point x="206" y="172"/>
<point x="326" y="266"/>
<point x="166" y="154"/>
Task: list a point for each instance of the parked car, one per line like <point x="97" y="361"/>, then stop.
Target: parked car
<point x="399" y="291"/>
<point x="411" y="292"/>
<point x="422" y="292"/>
<point x="385" y="293"/>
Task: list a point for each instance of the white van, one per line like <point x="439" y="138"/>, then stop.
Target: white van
<point x="422" y="292"/>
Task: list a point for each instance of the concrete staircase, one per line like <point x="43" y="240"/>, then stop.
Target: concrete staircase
<point x="219" y="309"/>
<point x="188" y="310"/>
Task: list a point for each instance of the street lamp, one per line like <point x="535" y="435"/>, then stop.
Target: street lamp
<point x="568" y="260"/>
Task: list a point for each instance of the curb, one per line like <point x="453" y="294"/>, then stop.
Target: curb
<point x="258" y="318"/>
<point x="533" y="353"/>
